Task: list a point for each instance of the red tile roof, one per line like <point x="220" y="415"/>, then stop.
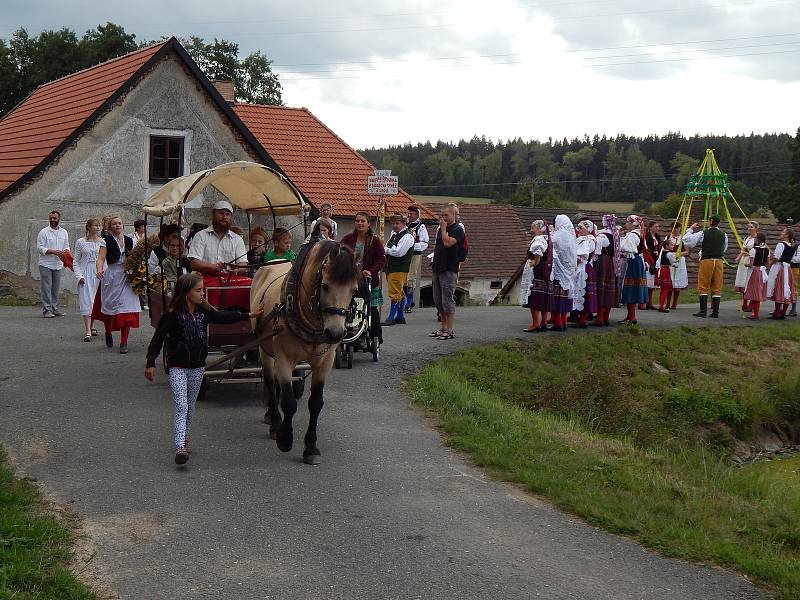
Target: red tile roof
<point x="318" y="161"/>
<point x="35" y="128"/>
<point x="497" y="243"/>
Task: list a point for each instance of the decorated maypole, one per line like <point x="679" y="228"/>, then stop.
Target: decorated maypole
<point x="707" y="193"/>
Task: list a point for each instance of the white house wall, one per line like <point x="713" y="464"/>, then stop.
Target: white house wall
<point x="106" y="170"/>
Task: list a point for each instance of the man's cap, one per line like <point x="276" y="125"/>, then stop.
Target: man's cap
<point x="414" y="208"/>
<point x="715" y="218"/>
<point x="398" y="217"/>
<point x="223" y="205"/>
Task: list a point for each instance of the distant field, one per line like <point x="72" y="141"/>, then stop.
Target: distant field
<point x="620" y="207"/>
<point x="608" y="206"/>
<point x="455" y="199"/>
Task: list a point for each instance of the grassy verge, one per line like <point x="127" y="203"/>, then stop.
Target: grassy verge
<point x="35" y="546"/>
<point x="14" y="301"/>
<point x="593" y="424"/>
<point x="690" y="296"/>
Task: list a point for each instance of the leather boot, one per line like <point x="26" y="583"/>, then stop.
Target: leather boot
<point x="715" y="307"/>
<point x="703" y="307"/>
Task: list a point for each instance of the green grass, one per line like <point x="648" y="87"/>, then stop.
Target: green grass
<point x="14" y="301"/>
<point x="590" y="423"/>
<point x="35" y="545"/>
<point x="690" y="296"/>
<point x="621" y="208"/>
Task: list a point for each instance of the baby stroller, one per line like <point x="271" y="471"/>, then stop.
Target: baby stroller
<point x="359" y="331"/>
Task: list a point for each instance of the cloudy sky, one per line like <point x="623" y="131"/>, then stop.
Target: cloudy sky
<point x="393" y="71"/>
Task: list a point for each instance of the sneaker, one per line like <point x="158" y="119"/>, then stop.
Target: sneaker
<point x="181" y="456"/>
<point x="58" y="313"/>
<point x="48" y="315"/>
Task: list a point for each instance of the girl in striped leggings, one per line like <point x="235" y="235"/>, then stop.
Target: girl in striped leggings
<point x="183" y="333"/>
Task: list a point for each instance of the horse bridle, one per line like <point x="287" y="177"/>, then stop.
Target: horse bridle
<point x="293" y="285"/>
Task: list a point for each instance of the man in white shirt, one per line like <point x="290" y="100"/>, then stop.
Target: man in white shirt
<point x="216" y="248"/>
<point x="51" y="243"/>
<point x="399" y="252"/>
<point x="421" y="241"/>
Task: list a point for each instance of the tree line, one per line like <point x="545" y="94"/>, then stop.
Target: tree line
<point x="27" y="62"/>
<point x="764" y="170"/>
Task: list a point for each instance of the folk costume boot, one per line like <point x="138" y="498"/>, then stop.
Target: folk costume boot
<point x="649" y="305"/>
<point x="408" y="294"/>
<point x="755" y="306"/>
<point x="663" y="300"/>
<point x="703" y="307"/>
<point x="715" y="307"/>
<point x="793" y="312"/>
<point x="400" y="318"/>
<point x="392" y="315"/>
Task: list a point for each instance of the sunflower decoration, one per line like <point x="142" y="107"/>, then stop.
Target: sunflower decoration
<point x="136" y="265"/>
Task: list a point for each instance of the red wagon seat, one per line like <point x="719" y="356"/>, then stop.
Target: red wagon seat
<point x="234" y="292"/>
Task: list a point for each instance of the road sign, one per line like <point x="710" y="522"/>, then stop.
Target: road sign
<point x="382" y="172"/>
<point x="383" y="185"/>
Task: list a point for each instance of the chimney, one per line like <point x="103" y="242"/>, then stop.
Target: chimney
<point x="226" y="88"/>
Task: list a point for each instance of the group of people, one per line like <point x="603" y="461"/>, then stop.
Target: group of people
<point x="583" y="271"/>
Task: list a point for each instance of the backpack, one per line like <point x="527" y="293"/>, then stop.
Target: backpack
<point x="463" y="249"/>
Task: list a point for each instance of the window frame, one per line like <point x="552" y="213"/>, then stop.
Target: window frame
<point x="166" y="139"/>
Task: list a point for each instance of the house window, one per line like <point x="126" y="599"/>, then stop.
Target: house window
<point x="166" y="158"/>
<point x="496" y="285"/>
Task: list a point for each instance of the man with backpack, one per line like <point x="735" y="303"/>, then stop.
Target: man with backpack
<point x="449" y="251"/>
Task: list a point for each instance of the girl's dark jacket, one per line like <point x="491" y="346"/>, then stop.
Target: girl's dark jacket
<point x="186" y="336"/>
<point x="374" y="255"/>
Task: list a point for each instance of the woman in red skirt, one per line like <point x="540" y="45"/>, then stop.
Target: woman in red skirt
<point x="115" y="304"/>
<point x="756" y="290"/>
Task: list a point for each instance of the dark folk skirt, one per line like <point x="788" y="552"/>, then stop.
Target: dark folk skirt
<point x="606" y="283"/>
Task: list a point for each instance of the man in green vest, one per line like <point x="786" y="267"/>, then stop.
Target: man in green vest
<point x="399" y="252"/>
<point x="713" y="244"/>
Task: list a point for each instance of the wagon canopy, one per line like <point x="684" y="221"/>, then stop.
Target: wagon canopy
<point x="250" y="186"/>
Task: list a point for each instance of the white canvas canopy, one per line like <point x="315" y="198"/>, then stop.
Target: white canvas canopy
<point x="249" y="186"/>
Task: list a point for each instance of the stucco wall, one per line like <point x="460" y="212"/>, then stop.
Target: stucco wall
<point x="106" y="171"/>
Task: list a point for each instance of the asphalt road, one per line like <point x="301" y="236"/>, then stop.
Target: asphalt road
<point x="391" y="512"/>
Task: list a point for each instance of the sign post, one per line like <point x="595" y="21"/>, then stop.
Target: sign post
<point x="382" y="183"/>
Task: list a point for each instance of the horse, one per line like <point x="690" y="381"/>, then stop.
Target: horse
<point x="305" y="305"/>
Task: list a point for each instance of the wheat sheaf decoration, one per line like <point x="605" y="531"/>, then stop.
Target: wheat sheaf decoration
<point x="136" y="265"/>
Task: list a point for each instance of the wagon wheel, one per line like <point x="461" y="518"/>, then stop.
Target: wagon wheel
<point x="299" y="386"/>
<point x="376" y="349"/>
<point x="349" y="356"/>
<point x="337" y="358"/>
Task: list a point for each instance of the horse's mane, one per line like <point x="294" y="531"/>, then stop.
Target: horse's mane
<point x="342" y="266"/>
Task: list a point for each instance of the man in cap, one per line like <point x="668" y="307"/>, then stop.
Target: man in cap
<point x="215" y="248"/>
<point x="421" y="240"/>
<point x="399" y="251"/>
<point x="713" y="244"/>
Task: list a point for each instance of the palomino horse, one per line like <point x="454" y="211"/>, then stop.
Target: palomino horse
<point x="305" y="308"/>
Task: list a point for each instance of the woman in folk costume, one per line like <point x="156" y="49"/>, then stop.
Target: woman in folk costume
<point x="585" y="296"/>
<point x="780" y="286"/>
<point x="755" y="291"/>
<point x="87" y="249"/>
<point x="634" y="289"/>
<point x="537" y="249"/>
<point x="539" y="290"/>
<point x="652" y="249"/>
<point x="743" y="270"/>
<point x="607" y="268"/>
<point x="115" y="304"/>
<point x="565" y="263"/>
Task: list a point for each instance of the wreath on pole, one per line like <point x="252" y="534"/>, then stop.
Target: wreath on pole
<point x="136" y="265"/>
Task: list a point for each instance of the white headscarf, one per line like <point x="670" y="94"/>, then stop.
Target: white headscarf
<point x="565" y="253"/>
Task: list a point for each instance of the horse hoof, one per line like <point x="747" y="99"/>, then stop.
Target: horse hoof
<point x="284" y="442"/>
<point x="312" y="457"/>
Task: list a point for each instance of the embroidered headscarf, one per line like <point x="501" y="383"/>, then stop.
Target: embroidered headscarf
<point x="610" y="223"/>
<point x="588" y="226"/>
<point x="565" y="253"/>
